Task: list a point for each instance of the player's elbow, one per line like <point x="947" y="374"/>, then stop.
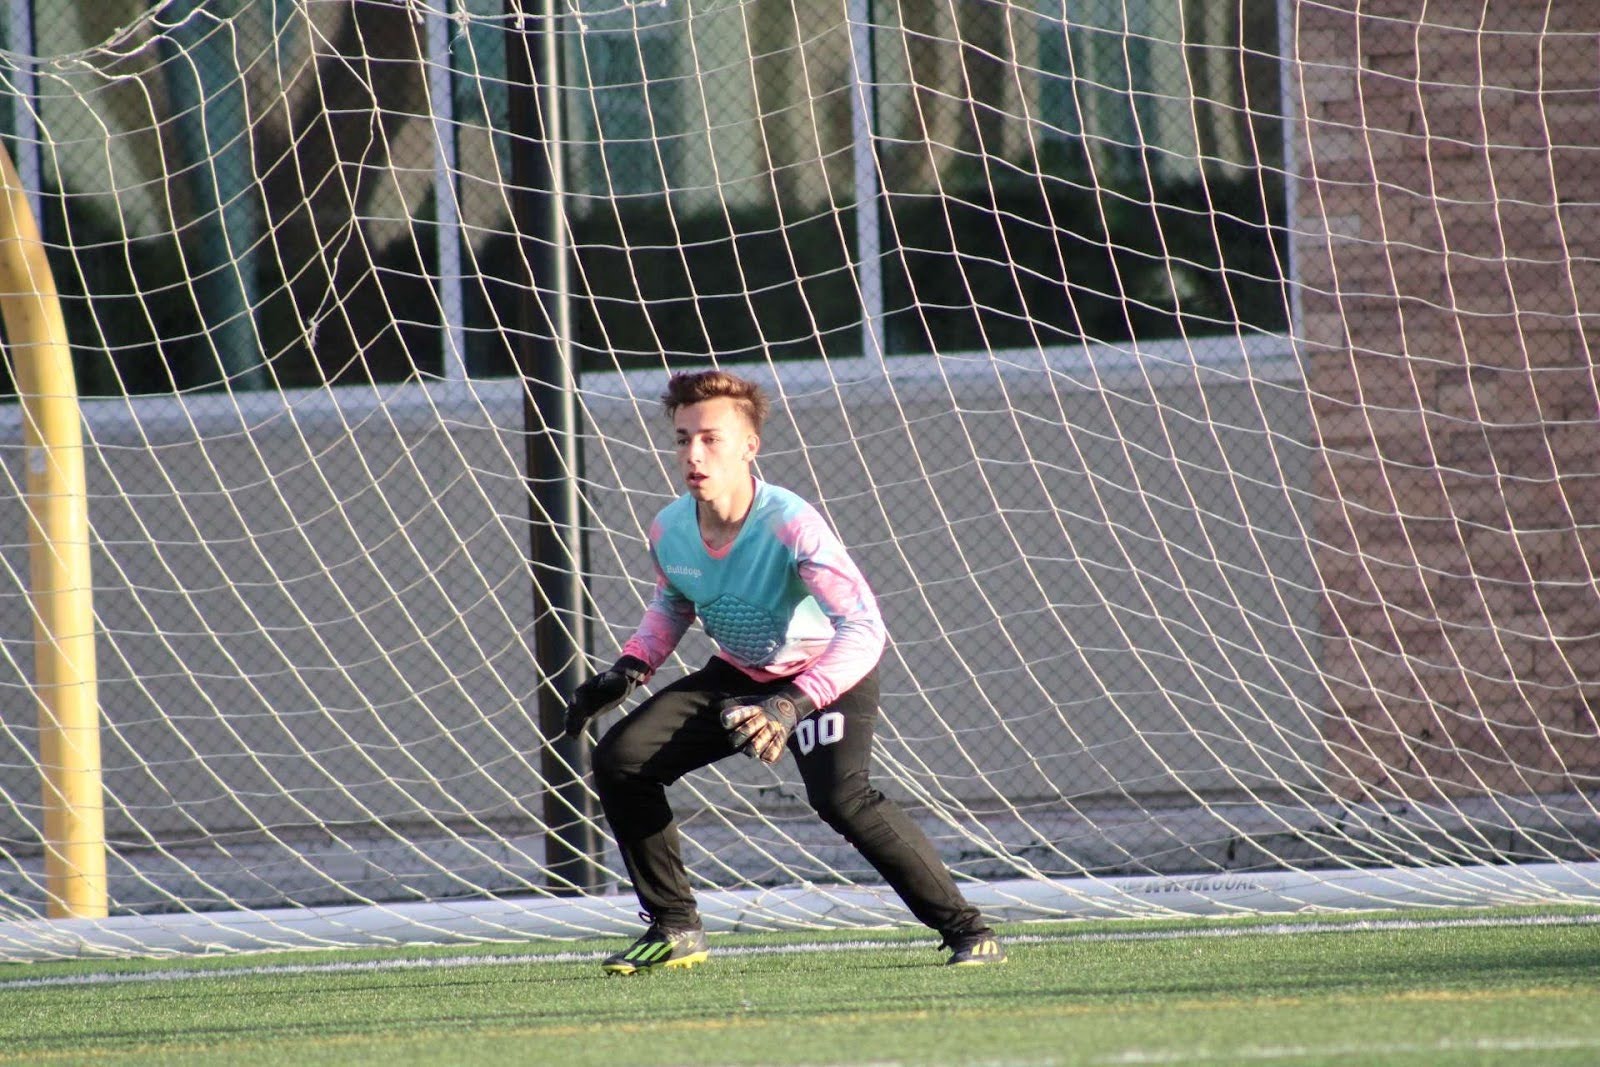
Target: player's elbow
<point x="871" y="634"/>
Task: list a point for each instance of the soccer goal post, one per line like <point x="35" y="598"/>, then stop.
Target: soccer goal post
<point x="58" y="579"/>
<point x="1205" y="388"/>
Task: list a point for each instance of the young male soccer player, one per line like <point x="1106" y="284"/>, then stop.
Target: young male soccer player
<point x="798" y="636"/>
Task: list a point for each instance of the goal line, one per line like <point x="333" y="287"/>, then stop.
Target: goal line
<point x="801" y="907"/>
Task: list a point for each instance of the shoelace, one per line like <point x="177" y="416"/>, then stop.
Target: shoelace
<point x="658" y="932"/>
<point x="957" y="942"/>
<point x="653" y="931"/>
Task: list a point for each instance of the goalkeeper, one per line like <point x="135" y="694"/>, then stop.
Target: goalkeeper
<point x="798" y="636"/>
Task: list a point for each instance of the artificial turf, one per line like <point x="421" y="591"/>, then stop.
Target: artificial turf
<point x="1513" y="987"/>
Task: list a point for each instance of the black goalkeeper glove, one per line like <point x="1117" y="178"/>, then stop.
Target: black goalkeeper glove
<point x="762" y="729"/>
<point x="604" y="691"/>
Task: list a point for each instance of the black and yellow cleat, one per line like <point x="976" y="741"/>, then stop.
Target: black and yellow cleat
<point x="659" y="947"/>
<point x="979" y="948"/>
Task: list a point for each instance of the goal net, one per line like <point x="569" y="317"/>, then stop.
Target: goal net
<point x="1204" y="386"/>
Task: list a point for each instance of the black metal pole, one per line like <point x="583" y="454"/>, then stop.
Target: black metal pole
<point x="544" y="357"/>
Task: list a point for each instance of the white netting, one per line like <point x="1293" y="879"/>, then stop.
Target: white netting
<point x="1203" y="386"/>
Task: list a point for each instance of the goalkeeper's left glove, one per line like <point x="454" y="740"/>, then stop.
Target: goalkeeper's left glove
<point x="604" y="691"/>
<point x="762" y="729"/>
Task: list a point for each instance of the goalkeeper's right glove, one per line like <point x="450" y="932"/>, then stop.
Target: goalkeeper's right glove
<point x="604" y="691"/>
<point x="762" y="728"/>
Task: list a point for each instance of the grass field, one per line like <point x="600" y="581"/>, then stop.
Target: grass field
<point x="1430" y="988"/>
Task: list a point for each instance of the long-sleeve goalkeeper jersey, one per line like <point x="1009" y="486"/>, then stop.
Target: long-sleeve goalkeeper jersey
<point x="783" y="600"/>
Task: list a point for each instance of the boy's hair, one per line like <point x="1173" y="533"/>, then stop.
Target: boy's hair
<point x="692" y="387"/>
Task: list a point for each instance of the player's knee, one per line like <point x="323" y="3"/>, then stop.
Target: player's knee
<point x="841" y="807"/>
<point x="612" y="759"/>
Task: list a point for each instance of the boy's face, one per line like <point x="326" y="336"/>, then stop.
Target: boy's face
<point x="716" y="444"/>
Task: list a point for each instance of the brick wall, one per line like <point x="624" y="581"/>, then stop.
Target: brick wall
<point x="1448" y="248"/>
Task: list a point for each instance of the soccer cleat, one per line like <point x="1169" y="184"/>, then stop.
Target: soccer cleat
<point x="977" y="949"/>
<point x="659" y="947"/>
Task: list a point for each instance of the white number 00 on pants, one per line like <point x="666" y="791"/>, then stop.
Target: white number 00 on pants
<point x="823" y="729"/>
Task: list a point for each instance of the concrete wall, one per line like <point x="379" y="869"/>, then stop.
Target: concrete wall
<point x="315" y="609"/>
<point x="311" y="612"/>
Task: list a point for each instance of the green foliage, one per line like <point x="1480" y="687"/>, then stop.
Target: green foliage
<point x="740" y="285"/>
<point x="1015" y="260"/>
<point x="134" y="323"/>
<point x="131" y="317"/>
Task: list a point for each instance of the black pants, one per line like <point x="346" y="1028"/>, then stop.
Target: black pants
<point x="679" y="729"/>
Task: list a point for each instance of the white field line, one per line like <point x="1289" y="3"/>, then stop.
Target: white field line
<point x="1356" y="1052"/>
<point x="180" y="974"/>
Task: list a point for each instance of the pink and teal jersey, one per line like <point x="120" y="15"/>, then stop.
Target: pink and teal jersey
<point x="784" y="600"/>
